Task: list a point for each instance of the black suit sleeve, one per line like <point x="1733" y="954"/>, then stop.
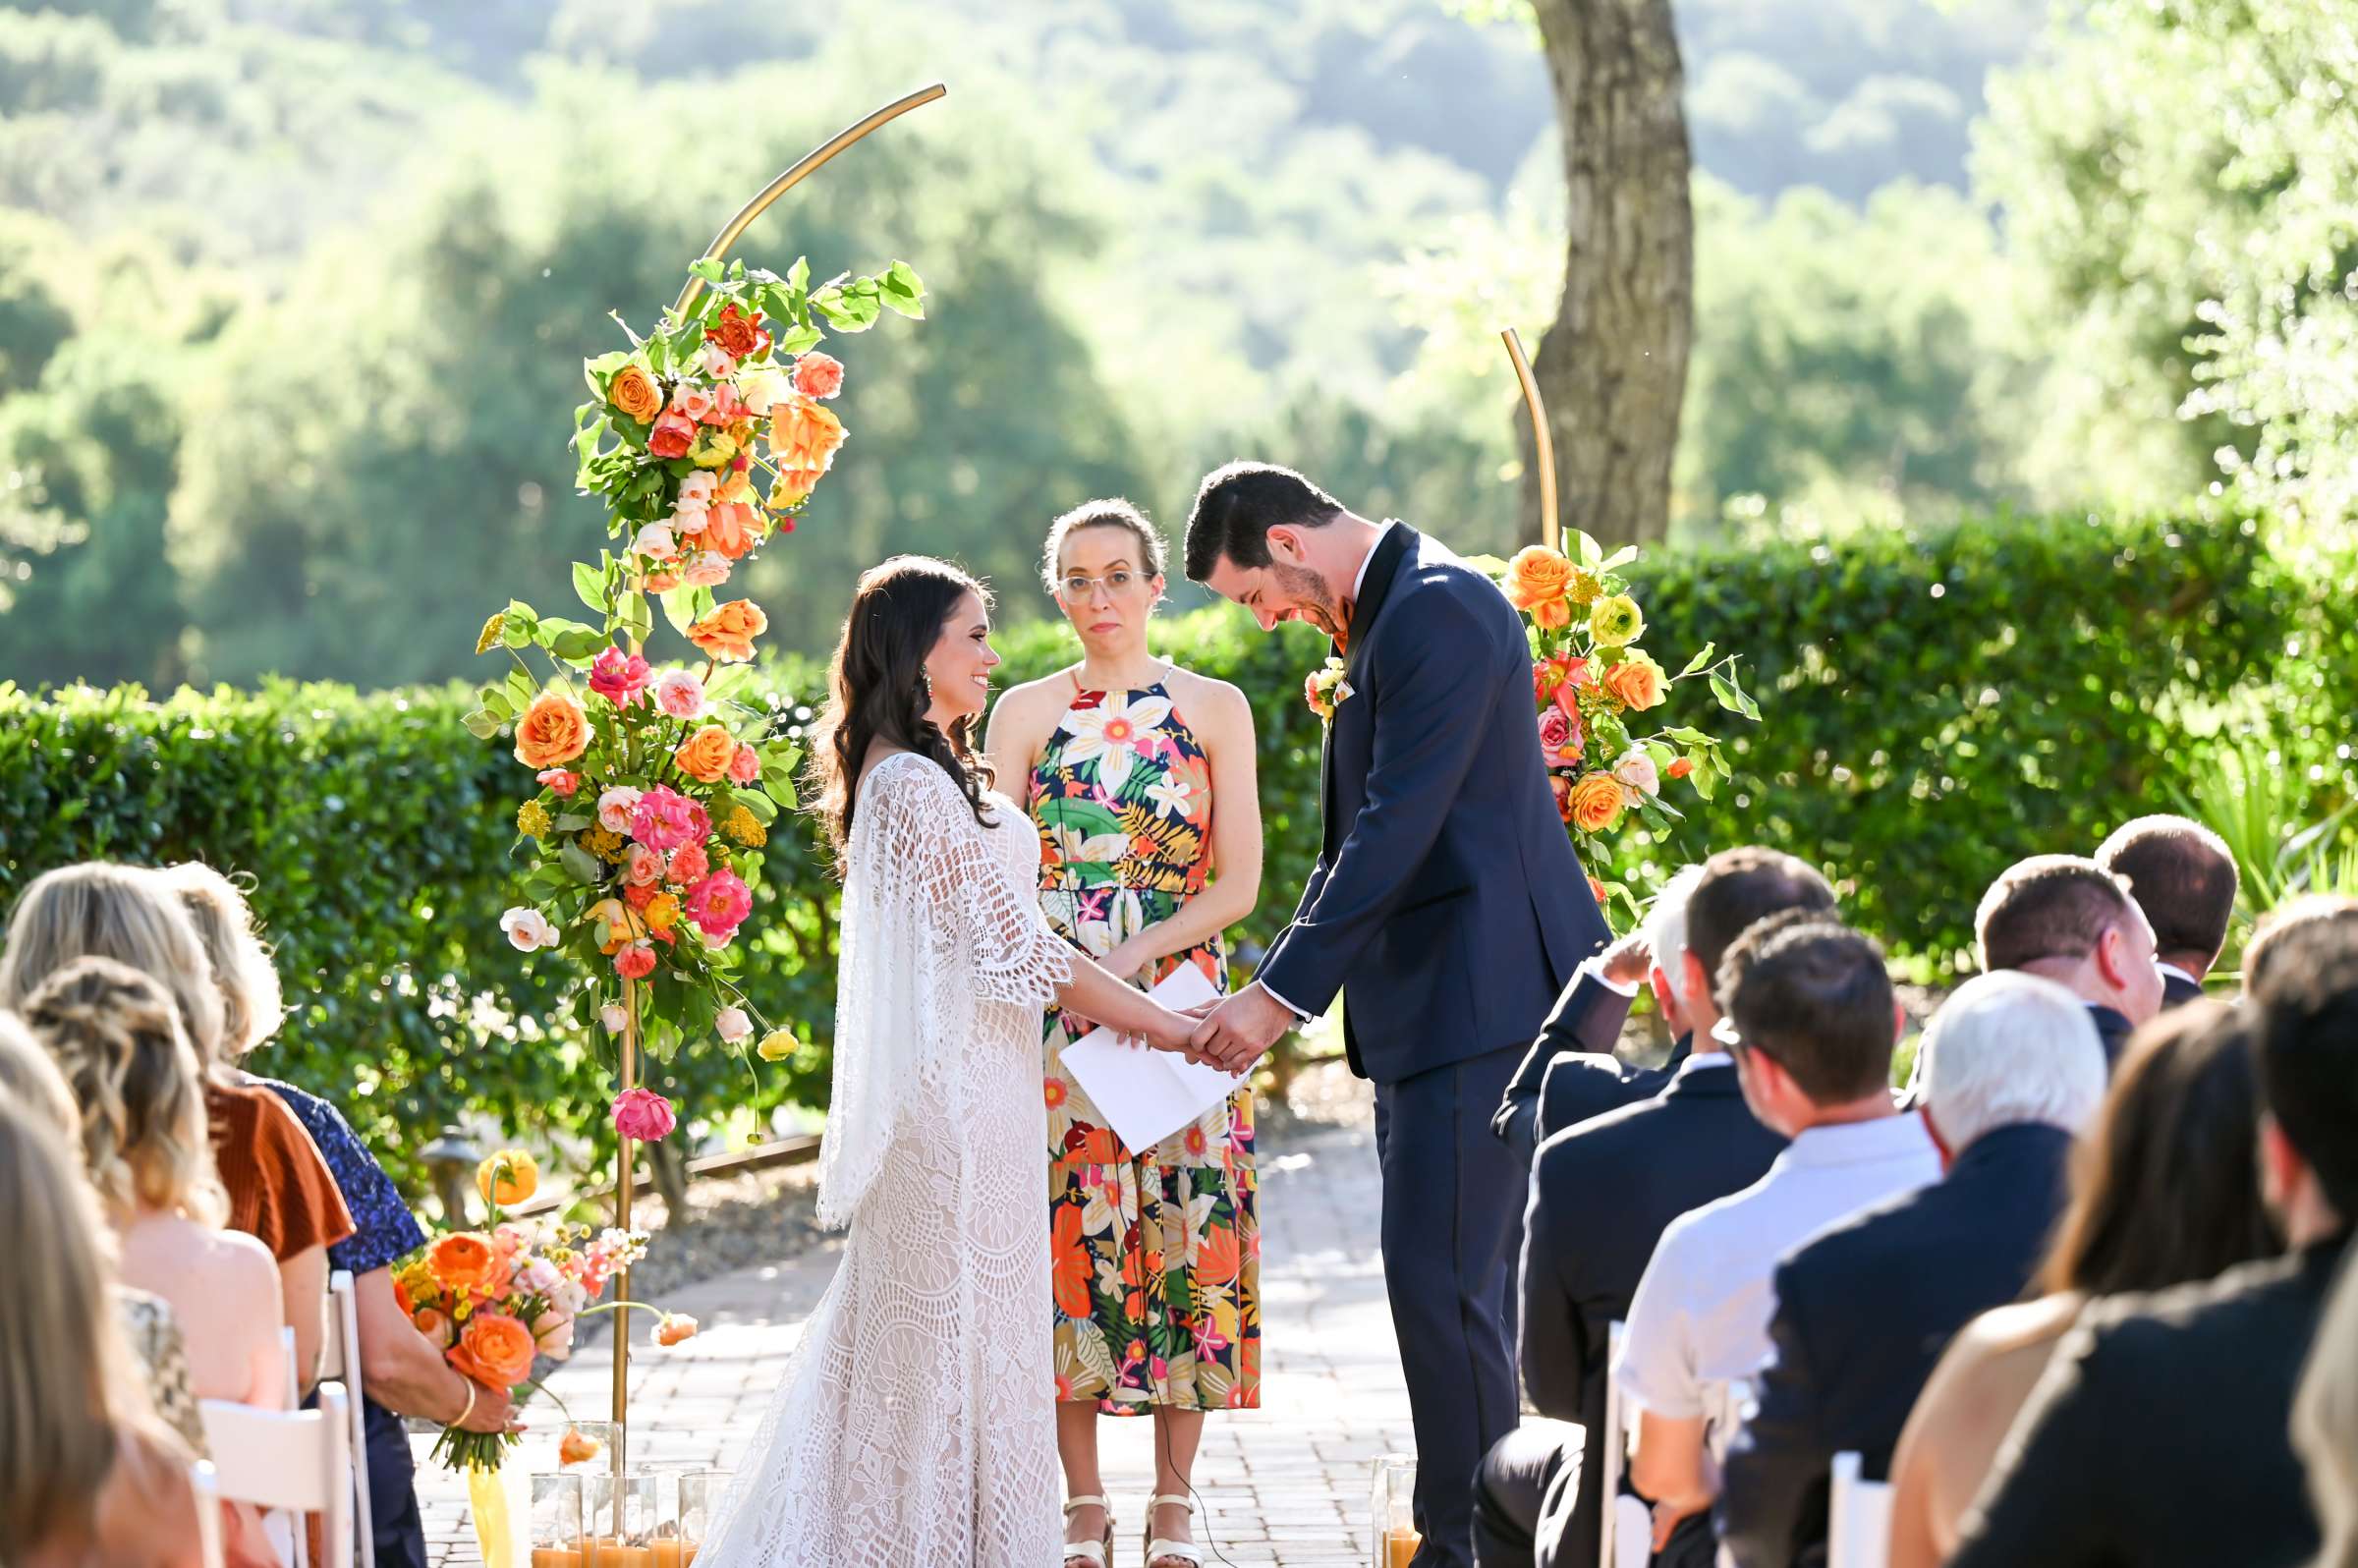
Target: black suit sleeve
<point x="1553" y="1348"/>
<point x="2044" y="1502"/>
<point x="1431" y="711"/>
<point x="1779" y="1462"/>
<point x="1587" y="1018"/>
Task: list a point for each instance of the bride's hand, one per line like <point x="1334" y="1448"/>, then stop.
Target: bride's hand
<point x="1171" y="1030"/>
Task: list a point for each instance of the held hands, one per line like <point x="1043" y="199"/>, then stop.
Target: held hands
<point x="1238" y="1032"/>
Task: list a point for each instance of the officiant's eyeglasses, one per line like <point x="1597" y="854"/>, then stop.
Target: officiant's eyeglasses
<point x="1117" y="581"/>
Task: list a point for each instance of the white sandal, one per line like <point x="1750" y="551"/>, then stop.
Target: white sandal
<point x="1160" y="1552"/>
<point x="1097" y="1554"/>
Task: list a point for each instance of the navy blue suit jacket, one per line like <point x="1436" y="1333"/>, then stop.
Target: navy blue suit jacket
<point x="1863" y="1314"/>
<point x="1446" y="905"/>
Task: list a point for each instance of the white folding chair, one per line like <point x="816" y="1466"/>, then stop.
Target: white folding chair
<point x="292" y="1396"/>
<point x="341" y="1360"/>
<point x="206" y="1494"/>
<point x="1625" y="1529"/>
<point x="300" y="1461"/>
<point x="1858" y="1518"/>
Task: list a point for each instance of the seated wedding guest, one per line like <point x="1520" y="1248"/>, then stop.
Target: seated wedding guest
<point x="402" y="1374"/>
<point x="1811" y="1023"/>
<point x="88" y="1474"/>
<point x="2181" y="874"/>
<point x="2159" y="1409"/>
<point x="2286" y="917"/>
<point x="1570" y="1073"/>
<point x="280" y="1188"/>
<point x="1694" y="1141"/>
<point x="2012" y="1071"/>
<point x="2070" y="920"/>
<point x="2324" y="1425"/>
<point x="156" y="1345"/>
<point x="2164" y="1188"/>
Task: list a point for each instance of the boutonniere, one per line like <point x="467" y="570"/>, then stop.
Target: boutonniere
<point x="1325" y="690"/>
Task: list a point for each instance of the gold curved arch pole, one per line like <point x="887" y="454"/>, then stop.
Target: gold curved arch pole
<point x="807" y="165"/>
<point x="1551" y="529"/>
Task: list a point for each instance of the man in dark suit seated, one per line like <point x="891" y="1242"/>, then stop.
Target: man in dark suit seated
<point x="2182" y="877"/>
<point x="2158" y="1433"/>
<point x="1603" y="1192"/>
<point x="2012" y="1071"/>
<point x="2070" y="920"/>
<point x="1570" y="1073"/>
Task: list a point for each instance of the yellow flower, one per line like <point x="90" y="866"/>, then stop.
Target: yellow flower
<point x="507" y="1177"/>
<point x="745" y="828"/>
<point x="712" y="449"/>
<point x="1616" y="621"/>
<point x="662" y="911"/>
<point x="531" y="820"/>
<point x="776" y="1045"/>
<point x="1584" y="588"/>
<point x="492" y="632"/>
<point x="604" y="843"/>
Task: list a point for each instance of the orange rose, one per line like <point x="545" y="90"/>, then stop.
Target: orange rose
<point x="634" y="393"/>
<point x="803" y="438"/>
<point x="1596" y="891"/>
<point x="552" y="732"/>
<point x="1595" y="802"/>
<point x="1551" y="615"/>
<point x="1537" y="574"/>
<point x="465" y="1263"/>
<point x="578" y="1447"/>
<point x="727" y="634"/>
<point x="495" y="1351"/>
<point x="707" y="754"/>
<point x="672" y="1327"/>
<point x="1637" y="681"/>
<point x="1680" y="767"/>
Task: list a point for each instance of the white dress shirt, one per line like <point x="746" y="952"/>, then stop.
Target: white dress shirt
<point x="1701" y="1315"/>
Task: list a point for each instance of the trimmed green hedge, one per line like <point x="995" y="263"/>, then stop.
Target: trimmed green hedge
<point x="1936" y="706"/>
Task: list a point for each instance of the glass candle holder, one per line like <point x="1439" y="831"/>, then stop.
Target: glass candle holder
<point x="557" y="1536"/>
<point x="701" y="1492"/>
<point x="1392" y="1512"/>
<point x="620" y="1517"/>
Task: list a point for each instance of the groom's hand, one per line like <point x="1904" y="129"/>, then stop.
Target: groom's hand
<point x="1240" y="1030"/>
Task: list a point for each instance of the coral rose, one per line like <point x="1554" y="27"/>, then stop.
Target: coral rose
<point x="673" y="1327"/>
<point x="635" y="962"/>
<point x="1680" y="767"/>
<point x="740" y="336"/>
<point x="706" y="569"/>
<point x="720" y="903"/>
<point x="554" y="731"/>
<point x="672" y="436"/>
<point x="633" y="394"/>
<point x="817" y="375"/>
<point x="689" y="865"/>
<point x="642" y="866"/>
<point x="507" y="1177"/>
<point x="495" y="1350"/>
<point x="1551" y="615"/>
<point x="1537" y="574"/>
<point x="1637" y="681"/>
<point x="578" y="1447"/>
<point x="693" y="400"/>
<point x="559" y="780"/>
<point x="729" y="529"/>
<point x="466" y="1263"/>
<point x="643" y="1115"/>
<point x="1596" y="803"/>
<point x="802" y="437"/>
<point x="746" y="767"/>
<point x="680" y="693"/>
<point x="726" y="634"/>
<point x="707" y="754"/>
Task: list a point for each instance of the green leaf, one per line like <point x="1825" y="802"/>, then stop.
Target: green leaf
<point x="479" y="723"/>
<point x="1703" y="777"/>
<point x="635" y="619"/>
<point x="679" y="608"/>
<point x="1619" y="558"/>
<point x="581" y="866"/>
<point x="798" y="340"/>
<point x="572" y="822"/>
<point x="1591" y="554"/>
<point x="780" y="788"/>
<point x="707" y="268"/>
<point x="900" y="290"/>
<point x="1697" y="662"/>
<point x="521" y="690"/>
<point x="728" y="677"/>
<point x="1732" y="697"/>
<point x="798" y="276"/>
<point x="757" y="803"/>
<point x="590" y="585"/>
<point x="495" y="702"/>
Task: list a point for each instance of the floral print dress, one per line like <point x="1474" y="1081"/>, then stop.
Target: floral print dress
<point x="1158" y="1252"/>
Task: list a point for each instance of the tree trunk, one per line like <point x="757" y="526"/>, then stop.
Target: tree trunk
<point x="1614" y="367"/>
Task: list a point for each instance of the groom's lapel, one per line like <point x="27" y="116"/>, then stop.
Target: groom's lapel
<point x="1398" y="543"/>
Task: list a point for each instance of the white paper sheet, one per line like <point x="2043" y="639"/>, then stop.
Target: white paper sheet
<point x="1146" y="1095"/>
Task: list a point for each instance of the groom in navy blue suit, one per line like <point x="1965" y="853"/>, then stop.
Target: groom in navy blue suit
<point x="1447" y="906"/>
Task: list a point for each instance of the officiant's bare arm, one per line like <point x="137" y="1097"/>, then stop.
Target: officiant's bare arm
<point x="1222" y="721"/>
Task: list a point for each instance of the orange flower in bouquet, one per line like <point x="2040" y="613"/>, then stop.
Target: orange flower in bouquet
<point x="554" y="731"/>
<point x="466" y="1265"/>
<point x="727" y="634"/>
<point x="495" y="1351"/>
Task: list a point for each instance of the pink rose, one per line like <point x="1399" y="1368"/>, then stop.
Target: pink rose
<point x="561" y="781"/>
<point x="666" y="819"/>
<point x="746" y="767"/>
<point x="732" y="1025"/>
<point x="674" y="434"/>
<point x="528" y="928"/>
<point x="616" y="807"/>
<point x="619" y="677"/>
<point x="689" y="865"/>
<point x="636" y="961"/>
<point x="706" y="569"/>
<point x="692" y="402"/>
<point x="720" y="903"/>
<point x="613" y="1017"/>
<point x="1554" y="730"/>
<point x="655" y="542"/>
<point x="727" y="409"/>
<point x="552" y="1334"/>
<point x="643" y="1115"/>
<point x="715" y="361"/>
<point x="642" y="866"/>
<point x="819" y="375"/>
<point x="681" y="693"/>
<point x="1637" y="776"/>
<point x="689" y="520"/>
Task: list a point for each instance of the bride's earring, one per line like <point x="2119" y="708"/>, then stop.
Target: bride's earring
<point x="924" y="690"/>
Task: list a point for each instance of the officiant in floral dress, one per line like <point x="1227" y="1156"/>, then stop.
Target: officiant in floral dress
<point x="1120" y="759"/>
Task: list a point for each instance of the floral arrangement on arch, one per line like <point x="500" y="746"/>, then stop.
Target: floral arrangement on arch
<point x="494" y="1300"/>
<point x="1589" y="680"/>
<point x="654" y="785"/>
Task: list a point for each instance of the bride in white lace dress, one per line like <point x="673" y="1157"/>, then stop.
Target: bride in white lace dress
<point x="915" y="1422"/>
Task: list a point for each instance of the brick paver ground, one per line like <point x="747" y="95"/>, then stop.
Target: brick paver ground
<point x="1285" y="1484"/>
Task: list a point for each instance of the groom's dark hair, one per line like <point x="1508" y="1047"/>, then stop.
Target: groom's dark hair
<point x="1237" y="505"/>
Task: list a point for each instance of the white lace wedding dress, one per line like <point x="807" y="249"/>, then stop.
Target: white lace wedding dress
<point x="915" y="1423"/>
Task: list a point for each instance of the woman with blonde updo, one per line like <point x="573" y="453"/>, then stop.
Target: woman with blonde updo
<point x="87" y="1473"/>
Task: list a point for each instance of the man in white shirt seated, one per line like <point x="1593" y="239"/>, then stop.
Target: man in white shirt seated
<point x="1811" y="1019"/>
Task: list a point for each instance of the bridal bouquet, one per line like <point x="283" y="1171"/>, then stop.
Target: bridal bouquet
<point x="495" y="1298"/>
<point x="703" y="439"/>
<point x="1590" y="678"/>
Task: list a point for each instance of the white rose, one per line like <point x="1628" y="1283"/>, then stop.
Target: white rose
<point x="615" y="808"/>
<point x="690" y="521"/>
<point x="613" y="1017"/>
<point x="1637" y="776"/>
<point x="761" y="389"/>
<point x="528" y="928"/>
<point x="698" y="487"/>
<point x="655" y="542"/>
<point x="730" y="1024"/>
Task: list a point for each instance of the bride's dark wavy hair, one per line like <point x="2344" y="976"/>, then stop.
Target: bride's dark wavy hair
<point x="877" y="688"/>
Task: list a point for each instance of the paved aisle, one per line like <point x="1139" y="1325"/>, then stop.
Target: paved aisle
<point x="1286" y="1485"/>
